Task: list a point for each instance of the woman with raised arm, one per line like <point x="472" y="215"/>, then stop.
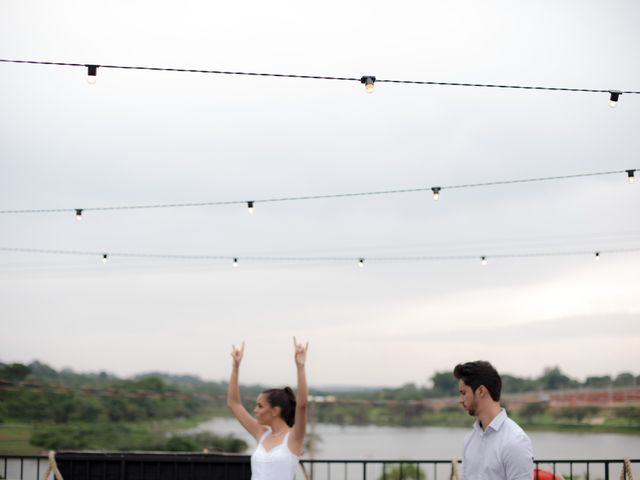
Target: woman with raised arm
<point x="280" y="420"/>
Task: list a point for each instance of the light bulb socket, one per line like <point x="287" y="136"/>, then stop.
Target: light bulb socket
<point x="92" y="72"/>
<point x="104" y="258"/>
<point x="78" y="214"/>
<point x="250" y="206"/>
<point x="436" y="192"/>
<point x="631" y="175"/>
<point x="361" y="262"/>
<point x="368" y="81"/>
<point x="614" y="96"/>
<point x="597" y="255"/>
<point x="483" y="260"/>
<point x="235" y="262"/>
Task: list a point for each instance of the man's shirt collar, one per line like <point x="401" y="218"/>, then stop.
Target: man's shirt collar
<point x="495" y="424"/>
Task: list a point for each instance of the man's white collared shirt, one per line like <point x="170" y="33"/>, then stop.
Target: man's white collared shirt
<point x="502" y="452"/>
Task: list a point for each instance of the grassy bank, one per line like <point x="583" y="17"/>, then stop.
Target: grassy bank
<point x="568" y="419"/>
<point x="16" y="437"/>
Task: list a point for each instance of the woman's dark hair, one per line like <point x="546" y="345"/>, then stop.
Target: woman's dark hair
<point x="479" y="373"/>
<point x="286" y="400"/>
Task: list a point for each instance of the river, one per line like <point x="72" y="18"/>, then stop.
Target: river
<point x="383" y="443"/>
<point x="418" y="443"/>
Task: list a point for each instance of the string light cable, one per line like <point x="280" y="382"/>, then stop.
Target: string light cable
<point x="357" y="260"/>
<point x="436" y="191"/>
<point x="367" y="80"/>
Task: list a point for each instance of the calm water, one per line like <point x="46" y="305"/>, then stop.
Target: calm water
<point x="431" y="443"/>
<point x="417" y="443"/>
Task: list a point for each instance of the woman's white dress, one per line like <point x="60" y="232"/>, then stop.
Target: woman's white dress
<point x="279" y="463"/>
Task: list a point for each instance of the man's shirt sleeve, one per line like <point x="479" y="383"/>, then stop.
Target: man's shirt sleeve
<point x="518" y="459"/>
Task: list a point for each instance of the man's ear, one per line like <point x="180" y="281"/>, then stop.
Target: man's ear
<point x="482" y="391"/>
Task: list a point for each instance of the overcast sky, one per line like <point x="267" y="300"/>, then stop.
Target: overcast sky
<point x="144" y="137"/>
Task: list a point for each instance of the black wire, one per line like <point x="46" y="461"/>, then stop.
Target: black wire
<point x="321" y="77"/>
<point x="488" y="85"/>
<point x="318" y="197"/>
<point x="184" y="70"/>
<point x="537" y="179"/>
<point x="365" y="259"/>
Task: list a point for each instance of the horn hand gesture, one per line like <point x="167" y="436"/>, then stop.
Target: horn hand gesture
<point x="237" y="354"/>
<point x="300" y="355"/>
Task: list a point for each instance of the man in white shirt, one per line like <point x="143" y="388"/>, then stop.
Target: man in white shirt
<point x="497" y="448"/>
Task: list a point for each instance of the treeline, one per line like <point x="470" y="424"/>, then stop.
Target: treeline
<point x="68" y="410"/>
<point x="444" y="384"/>
<point x="440" y="384"/>
<point x="127" y="437"/>
<point x="625" y="419"/>
<point x="49" y="401"/>
<point x="38" y="372"/>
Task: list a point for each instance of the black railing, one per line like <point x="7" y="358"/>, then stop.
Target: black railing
<point x="592" y="469"/>
<point x="128" y="466"/>
<point x="195" y="466"/>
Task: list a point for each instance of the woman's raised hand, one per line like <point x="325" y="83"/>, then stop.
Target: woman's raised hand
<point x="236" y="354"/>
<point x="300" y="355"/>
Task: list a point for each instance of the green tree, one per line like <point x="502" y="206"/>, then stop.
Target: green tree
<point x="216" y="443"/>
<point x="27" y="405"/>
<point x="598" y="382"/>
<point x="532" y="410"/>
<point x="15" y="372"/>
<point x="86" y="409"/>
<point x="625" y="379"/>
<point x="62" y="407"/>
<point x="182" y="443"/>
<point x="122" y="409"/>
<point x="61" y="438"/>
<point x="445" y="384"/>
<point x="511" y="384"/>
<point x="631" y="413"/>
<point x="407" y="471"/>
<point x="205" y="440"/>
<point x="579" y="413"/>
<point x="42" y="371"/>
<point x="409" y="391"/>
<point x="554" y="379"/>
<point x="153" y="384"/>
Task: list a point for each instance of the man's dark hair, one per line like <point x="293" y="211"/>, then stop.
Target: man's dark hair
<point x="479" y="373"/>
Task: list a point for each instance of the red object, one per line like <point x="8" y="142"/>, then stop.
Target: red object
<point x="539" y="474"/>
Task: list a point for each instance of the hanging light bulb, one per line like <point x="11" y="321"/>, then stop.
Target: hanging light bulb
<point x="250" y="207"/>
<point x="92" y="71"/>
<point x="613" y="98"/>
<point x="361" y="262"/>
<point x="483" y="260"/>
<point x="368" y="82"/>
<point x="104" y="258"/>
<point x="235" y="262"/>
<point x="78" y="214"/>
<point x="436" y="192"/>
<point x="597" y="256"/>
<point x="631" y="175"/>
